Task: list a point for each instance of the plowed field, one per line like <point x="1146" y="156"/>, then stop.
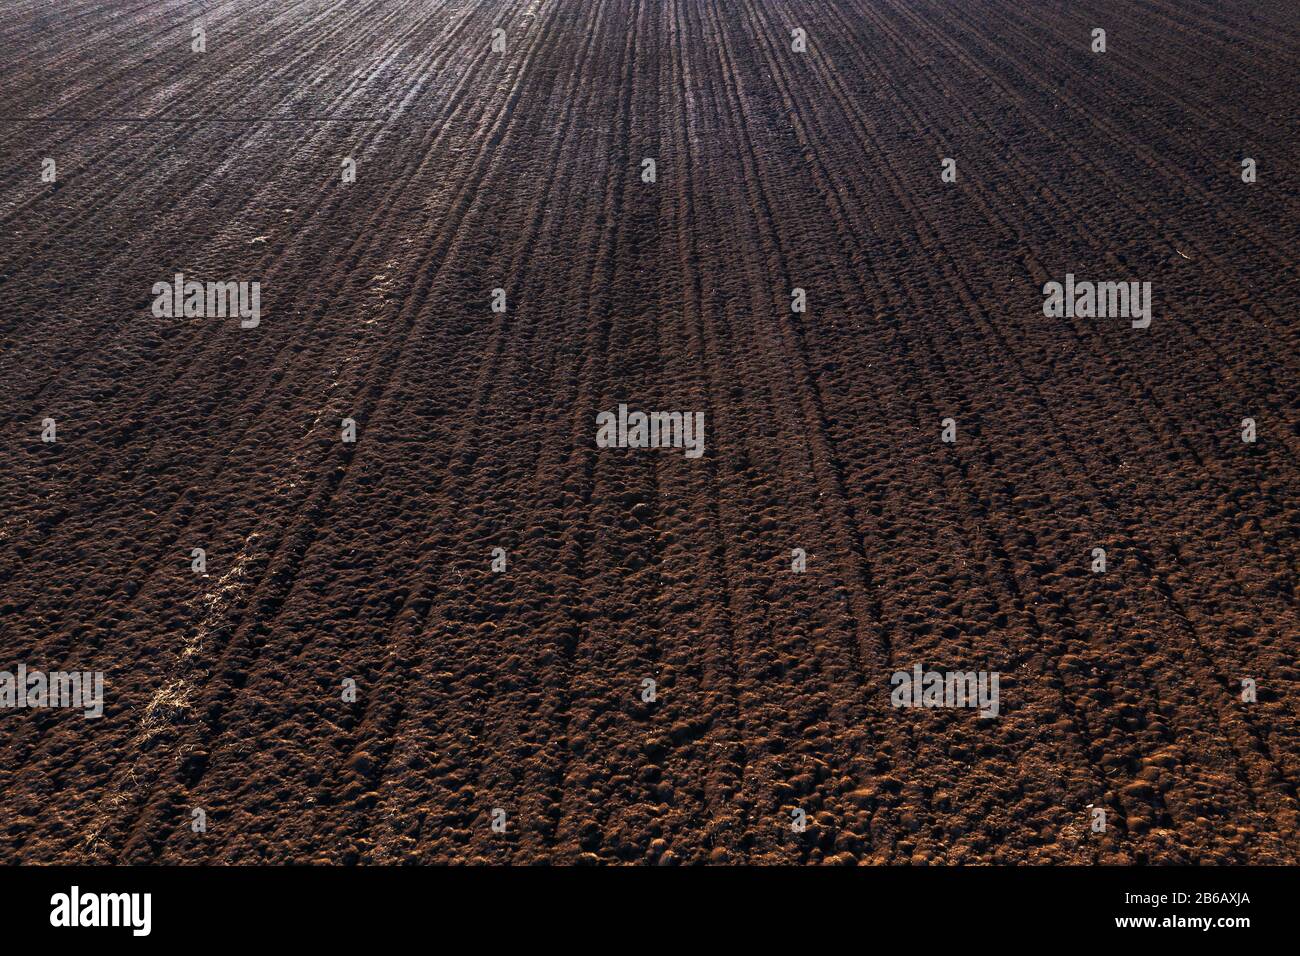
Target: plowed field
<point x="357" y="675"/>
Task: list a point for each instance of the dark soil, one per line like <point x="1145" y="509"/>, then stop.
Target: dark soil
<point x="522" y="690"/>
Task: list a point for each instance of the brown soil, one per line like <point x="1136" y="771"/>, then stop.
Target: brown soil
<point x="522" y="690"/>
